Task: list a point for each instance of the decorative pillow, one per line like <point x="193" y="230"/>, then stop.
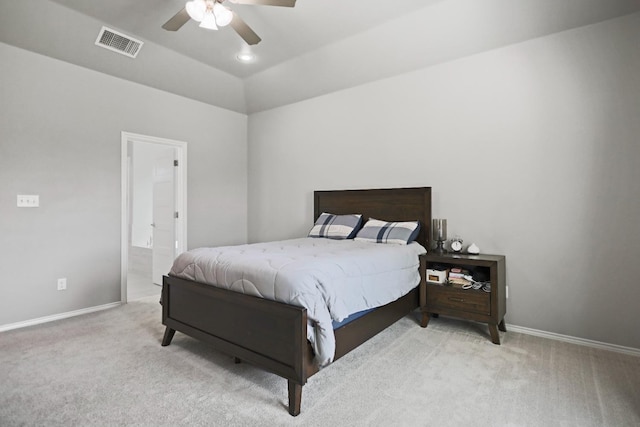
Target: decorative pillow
<point x="400" y="233"/>
<point x="336" y="226"/>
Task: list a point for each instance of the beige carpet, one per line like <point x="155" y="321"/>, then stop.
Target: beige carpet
<point x="108" y="368"/>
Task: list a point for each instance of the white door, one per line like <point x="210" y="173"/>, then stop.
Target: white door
<point x="164" y="220"/>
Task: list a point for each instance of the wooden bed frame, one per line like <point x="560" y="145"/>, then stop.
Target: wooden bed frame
<point x="273" y="335"/>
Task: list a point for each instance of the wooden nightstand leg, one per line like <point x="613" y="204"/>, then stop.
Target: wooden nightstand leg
<point x="424" y="320"/>
<point x="502" y="326"/>
<point x="493" y="330"/>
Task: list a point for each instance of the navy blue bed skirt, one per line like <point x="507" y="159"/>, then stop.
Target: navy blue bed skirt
<point x="351" y="318"/>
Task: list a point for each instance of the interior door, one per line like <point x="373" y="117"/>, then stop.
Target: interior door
<point x="164" y="221"/>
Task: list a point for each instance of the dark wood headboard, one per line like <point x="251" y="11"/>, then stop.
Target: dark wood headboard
<point x="388" y="204"/>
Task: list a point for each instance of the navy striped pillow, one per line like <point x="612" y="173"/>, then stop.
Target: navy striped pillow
<point x="336" y="226"/>
<point x="400" y="233"/>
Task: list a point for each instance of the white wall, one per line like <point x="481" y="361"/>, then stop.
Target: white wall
<point x="60" y="129"/>
<point x="532" y="151"/>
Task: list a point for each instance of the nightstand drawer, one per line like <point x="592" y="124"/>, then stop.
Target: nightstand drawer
<point x="458" y="299"/>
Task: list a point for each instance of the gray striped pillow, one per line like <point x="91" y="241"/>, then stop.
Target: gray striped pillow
<point x="336" y="226"/>
<point x="400" y="233"/>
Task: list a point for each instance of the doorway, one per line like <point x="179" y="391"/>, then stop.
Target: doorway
<point x="154" y="226"/>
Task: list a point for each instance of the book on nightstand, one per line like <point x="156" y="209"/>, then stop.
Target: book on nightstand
<point x="458" y="282"/>
<point x="458" y="277"/>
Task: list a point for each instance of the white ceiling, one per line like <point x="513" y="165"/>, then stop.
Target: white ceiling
<point x="317" y="47"/>
<point x="286" y="32"/>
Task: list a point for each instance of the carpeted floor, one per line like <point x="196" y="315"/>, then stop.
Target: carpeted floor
<point x="108" y="368"/>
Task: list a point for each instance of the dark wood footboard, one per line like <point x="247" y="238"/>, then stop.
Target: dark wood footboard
<point x="265" y="333"/>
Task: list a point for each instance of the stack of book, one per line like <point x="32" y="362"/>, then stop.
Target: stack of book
<point x="458" y="277"/>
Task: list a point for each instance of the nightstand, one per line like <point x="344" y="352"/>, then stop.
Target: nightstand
<point x="470" y="304"/>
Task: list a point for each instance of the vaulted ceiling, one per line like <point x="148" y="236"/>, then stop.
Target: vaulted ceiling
<point x="317" y="47"/>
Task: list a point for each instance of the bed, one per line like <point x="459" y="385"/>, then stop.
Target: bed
<point x="273" y="335"/>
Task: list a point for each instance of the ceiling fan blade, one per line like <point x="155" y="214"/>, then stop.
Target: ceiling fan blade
<point x="244" y="30"/>
<point x="285" y="3"/>
<point x="178" y="20"/>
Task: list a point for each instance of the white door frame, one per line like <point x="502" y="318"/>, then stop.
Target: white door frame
<point x="180" y="201"/>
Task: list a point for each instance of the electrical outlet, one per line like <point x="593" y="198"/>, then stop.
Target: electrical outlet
<point x="62" y="284"/>
<point x="28" y="201"/>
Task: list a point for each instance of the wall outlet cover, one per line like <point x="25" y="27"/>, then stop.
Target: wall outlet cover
<point x="28" y="201"/>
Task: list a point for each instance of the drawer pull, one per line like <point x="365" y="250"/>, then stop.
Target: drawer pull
<point x="456" y="299"/>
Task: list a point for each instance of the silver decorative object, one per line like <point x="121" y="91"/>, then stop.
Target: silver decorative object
<point x="439" y="232"/>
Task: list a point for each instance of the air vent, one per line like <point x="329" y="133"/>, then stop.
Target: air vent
<point x="118" y="42"/>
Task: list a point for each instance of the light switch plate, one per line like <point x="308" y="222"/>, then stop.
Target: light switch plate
<point x="28" y="201"/>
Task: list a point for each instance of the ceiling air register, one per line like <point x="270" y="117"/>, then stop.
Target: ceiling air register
<point x="118" y="42"/>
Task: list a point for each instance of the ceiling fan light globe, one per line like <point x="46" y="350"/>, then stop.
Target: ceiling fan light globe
<point x="196" y="9"/>
<point x="209" y="22"/>
<point x="223" y="15"/>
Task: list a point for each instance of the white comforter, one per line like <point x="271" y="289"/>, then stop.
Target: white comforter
<point x="330" y="278"/>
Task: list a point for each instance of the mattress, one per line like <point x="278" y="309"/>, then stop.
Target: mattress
<point x="332" y="279"/>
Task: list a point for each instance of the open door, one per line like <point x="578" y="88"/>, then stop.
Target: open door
<point x="164" y="214"/>
<point x="163" y="192"/>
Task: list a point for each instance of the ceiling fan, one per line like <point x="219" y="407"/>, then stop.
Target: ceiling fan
<point x="212" y="14"/>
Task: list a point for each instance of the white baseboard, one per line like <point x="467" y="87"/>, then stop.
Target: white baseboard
<point x="55" y="317"/>
<point x="580" y="341"/>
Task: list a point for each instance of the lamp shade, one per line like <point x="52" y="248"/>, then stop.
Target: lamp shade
<point x="223" y="15"/>
<point x="196" y="9"/>
<point x="209" y="21"/>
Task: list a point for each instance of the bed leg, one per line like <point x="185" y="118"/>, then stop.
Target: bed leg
<point x="295" y="398"/>
<point x="168" y="336"/>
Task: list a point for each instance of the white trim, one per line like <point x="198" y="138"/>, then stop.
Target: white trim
<point x="181" y="199"/>
<point x="574" y="340"/>
<point x="60" y="316"/>
<point x="124" y="216"/>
